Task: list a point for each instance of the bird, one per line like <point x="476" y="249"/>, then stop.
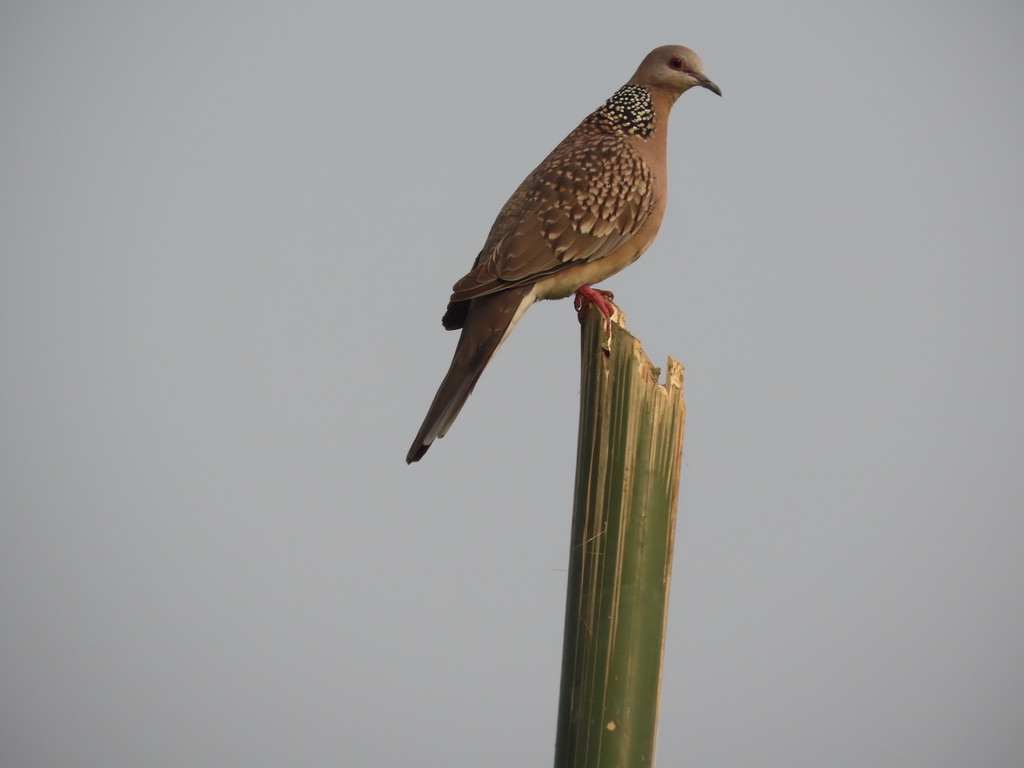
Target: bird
<point x="590" y="209"/>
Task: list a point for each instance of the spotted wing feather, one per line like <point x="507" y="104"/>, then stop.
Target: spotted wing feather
<point x="583" y="202"/>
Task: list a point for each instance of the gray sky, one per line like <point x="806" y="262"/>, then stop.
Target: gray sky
<point x="229" y="231"/>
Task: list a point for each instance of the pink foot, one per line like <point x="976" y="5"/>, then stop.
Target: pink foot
<point x="600" y="299"/>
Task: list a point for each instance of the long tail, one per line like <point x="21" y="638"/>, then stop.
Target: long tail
<point x="488" y="323"/>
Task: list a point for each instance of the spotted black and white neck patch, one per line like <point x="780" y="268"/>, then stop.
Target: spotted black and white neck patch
<point x="630" y="111"/>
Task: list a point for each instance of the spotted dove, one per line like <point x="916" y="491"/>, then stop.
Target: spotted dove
<point x="590" y="209"/>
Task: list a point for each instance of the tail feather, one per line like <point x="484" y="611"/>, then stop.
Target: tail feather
<point x="488" y="322"/>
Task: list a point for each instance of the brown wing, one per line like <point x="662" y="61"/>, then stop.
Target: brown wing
<point x="588" y="197"/>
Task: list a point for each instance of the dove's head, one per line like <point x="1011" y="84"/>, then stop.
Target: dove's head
<point x="673" y="68"/>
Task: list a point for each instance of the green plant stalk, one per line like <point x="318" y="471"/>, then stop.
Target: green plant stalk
<point x="627" y="490"/>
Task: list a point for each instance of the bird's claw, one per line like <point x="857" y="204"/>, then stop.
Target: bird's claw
<point x="586" y="296"/>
